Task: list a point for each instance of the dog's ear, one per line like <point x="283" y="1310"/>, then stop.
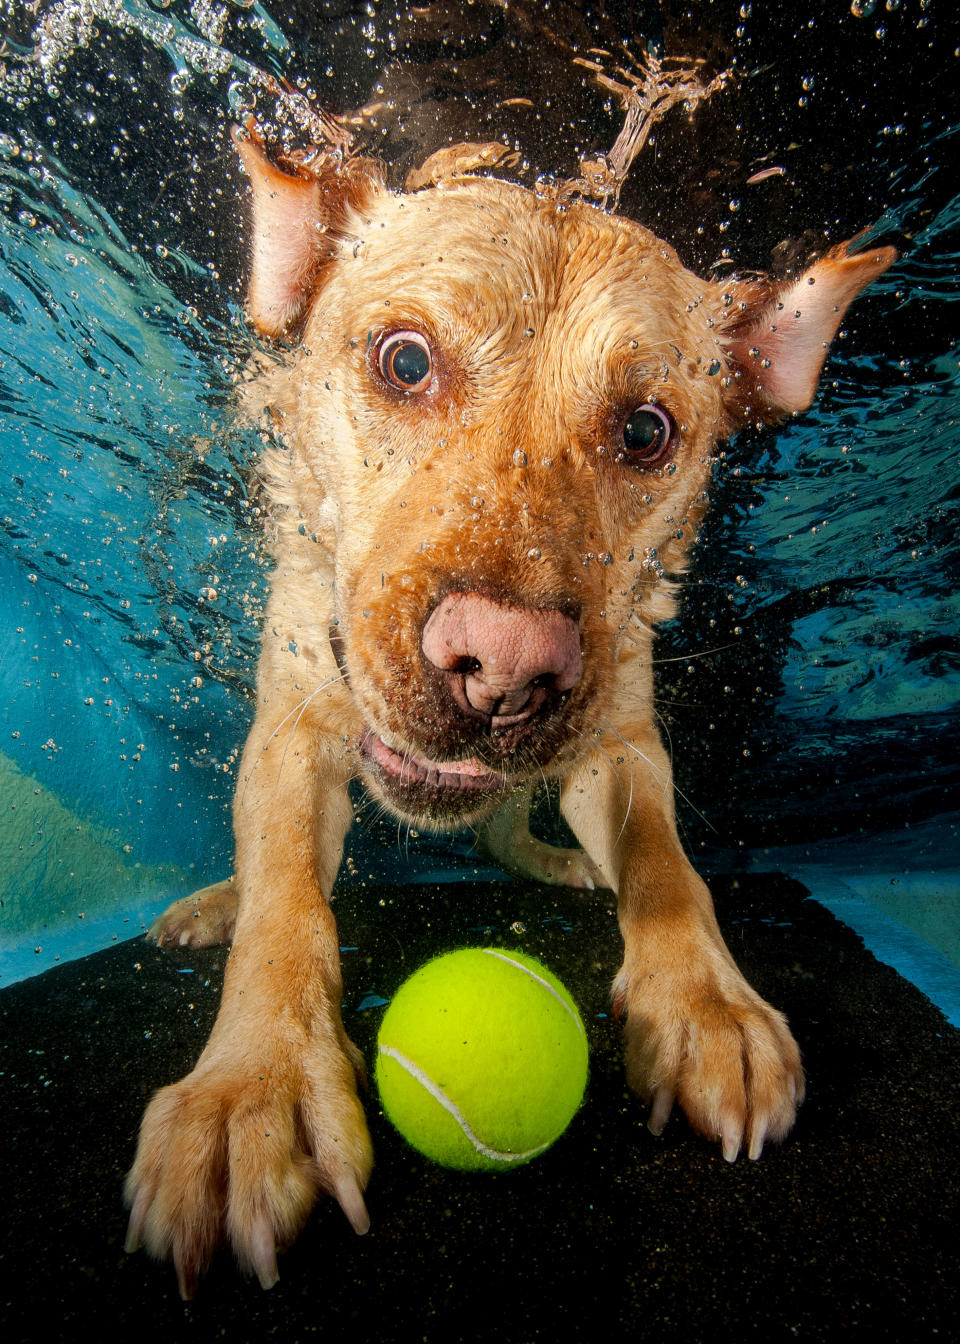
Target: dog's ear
<point x="297" y="221"/>
<point x="776" y="335"/>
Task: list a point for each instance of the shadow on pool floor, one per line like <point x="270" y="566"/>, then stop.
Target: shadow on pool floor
<point x="847" y="1229"/>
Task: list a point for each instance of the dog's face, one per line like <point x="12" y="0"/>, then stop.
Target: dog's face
<point x="500" y="416"/>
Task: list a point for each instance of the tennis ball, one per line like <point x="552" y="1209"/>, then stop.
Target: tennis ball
<point x="481" y="1059"/>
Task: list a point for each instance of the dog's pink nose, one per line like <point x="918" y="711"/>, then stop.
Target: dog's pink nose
<point x="502" y="661"/>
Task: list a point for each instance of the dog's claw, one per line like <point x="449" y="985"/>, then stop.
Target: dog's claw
<point x="138" y="1215"/>
<point x="349" y="1196"/>
<point x="187" y="1277"/>
<point x="730" y="1139"/>
<point x="263" y="1253"/>
<point x="660" y="1109"/>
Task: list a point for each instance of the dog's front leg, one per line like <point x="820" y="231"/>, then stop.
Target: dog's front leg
<point x="696" y="1033"/>
<point x="270" y="1114"/>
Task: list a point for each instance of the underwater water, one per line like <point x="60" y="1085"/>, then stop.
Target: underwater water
<point x="810" y="684"/>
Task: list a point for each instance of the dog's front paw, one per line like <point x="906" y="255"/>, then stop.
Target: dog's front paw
<point x="537" y="861"/>
<point x="709" y="1043"/>
<point x="230" y="1152"/>
<point x="205" y="919"/>
<point x="505" y="839"/>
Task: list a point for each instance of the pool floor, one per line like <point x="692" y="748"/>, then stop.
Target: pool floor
<point x="845" y="1228"/>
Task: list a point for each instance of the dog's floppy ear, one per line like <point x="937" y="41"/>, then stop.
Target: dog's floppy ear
<point x="776" y="335"/>
<point x="297" y="222"/>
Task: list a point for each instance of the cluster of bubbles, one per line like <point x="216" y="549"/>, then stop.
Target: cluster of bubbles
<point x="194" y="45"/>
<point x="864" y="9"/>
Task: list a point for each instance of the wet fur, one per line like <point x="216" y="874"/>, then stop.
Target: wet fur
<point x="506" y="480"/>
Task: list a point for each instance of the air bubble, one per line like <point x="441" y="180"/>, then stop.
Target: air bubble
<point x="241" y="98"/>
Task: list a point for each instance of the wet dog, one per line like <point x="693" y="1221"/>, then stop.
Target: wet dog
<point x="498" y="410"/>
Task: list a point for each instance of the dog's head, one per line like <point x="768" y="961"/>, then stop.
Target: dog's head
<point x="500" y="411"/>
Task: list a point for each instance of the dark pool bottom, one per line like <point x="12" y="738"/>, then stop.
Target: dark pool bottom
<point x="845" y="1230"/>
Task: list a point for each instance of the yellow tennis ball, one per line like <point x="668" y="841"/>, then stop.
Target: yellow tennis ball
<point x="481" y="1059"/>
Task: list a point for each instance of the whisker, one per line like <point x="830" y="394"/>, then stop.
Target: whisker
<point x="298" y="709"/>
<point x="627" y="809"/>
<point x="657" y="773"/>
<point x="605" y="755"/>
<point x="690" y="657"/>
<point x="302" y="704"/>
<point x="666" y="731"/>
<point x="324" y="685"/>
<point x="662" y="776"/>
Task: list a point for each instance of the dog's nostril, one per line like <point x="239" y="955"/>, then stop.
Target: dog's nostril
<point x="501" y="660"/>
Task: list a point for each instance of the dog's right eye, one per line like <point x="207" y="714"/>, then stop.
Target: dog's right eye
<point x="405" y="361"/>
<point x="648" y="436"/>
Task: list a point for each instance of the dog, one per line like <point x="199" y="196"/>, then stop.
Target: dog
<point x="497" y="410"/>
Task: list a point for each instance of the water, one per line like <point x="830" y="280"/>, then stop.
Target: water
<point x="810" y="688"/>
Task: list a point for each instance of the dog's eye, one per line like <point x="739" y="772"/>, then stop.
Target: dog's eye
<point x="405" y="361"/>
<point x="648" y="436"/>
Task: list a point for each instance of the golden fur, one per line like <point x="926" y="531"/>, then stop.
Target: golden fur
<point x="505" y="483"/>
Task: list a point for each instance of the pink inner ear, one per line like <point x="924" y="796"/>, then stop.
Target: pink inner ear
<point x="286" y="240"/>
<point x="783" y="349"/>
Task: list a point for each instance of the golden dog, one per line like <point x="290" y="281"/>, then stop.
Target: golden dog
<point x="498" y="411"/>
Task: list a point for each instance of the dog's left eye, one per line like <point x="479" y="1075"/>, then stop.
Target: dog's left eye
<point x="648" y="436"/>
<point x="405" y="361"/>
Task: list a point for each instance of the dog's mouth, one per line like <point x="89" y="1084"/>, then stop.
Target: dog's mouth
<point x="408" y="772"/>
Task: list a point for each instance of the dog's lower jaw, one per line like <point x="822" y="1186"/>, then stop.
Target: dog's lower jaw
<point x="438" y="795"/>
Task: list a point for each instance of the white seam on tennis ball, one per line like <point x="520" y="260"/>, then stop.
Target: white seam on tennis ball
<point x="503" y="956"/>
<point x="439" y="1095"/>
